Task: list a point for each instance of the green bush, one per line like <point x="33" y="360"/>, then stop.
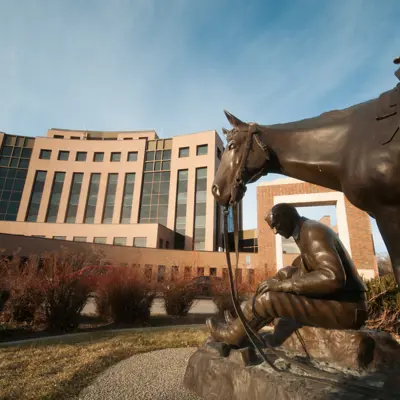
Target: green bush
<point x="383" y="304"/>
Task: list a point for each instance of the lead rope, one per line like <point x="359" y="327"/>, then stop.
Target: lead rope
<point x="327" y="377"/>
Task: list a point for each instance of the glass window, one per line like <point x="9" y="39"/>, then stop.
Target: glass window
<point x="101" y="240"/>
<point x="127" y="199"/>
<point x="26" y="153"/>
<point x="4" y="161"/>
<point x="79" y="239"/>
<point x="140" y="242"/>
<point x="181" y="203"/>
<point x="75" y="137"/>
<point x="6" y="151"/>
<point x="14" y="162"/>
<point x="109" y="201"/>
<point x="91" y="201"/>
<point x="158" y="155"/>
<point x="184" y="152"/>
<point x="29" y="142"/>
<point x="36" y="196"/>
<point x="132" y="156"/>
<point x="60" y="237"/>
<point x="119" y="241"/>
<point x="166" y="165"/>
<point x="73" y="201"/>
<point x="17" y="151"/>
<point x="55" y="197"/>
<point x="63" y="155"/>
<point x="81" y="156"/>
<point x="150" y="156"/>
<point x="160" y="243"/>
<point x="200" y="209"/>
<point x="166" y="155"/>
<point x="45" y="154"/>
<point x="98" y="157"/>
<point x="20" y="141"/>
<point x="23" y="163"/>
<point x="58" y="137"/>
<point x="115" y="157"/>
<point x="202" y="150"/>
<point x="10" y="140"/>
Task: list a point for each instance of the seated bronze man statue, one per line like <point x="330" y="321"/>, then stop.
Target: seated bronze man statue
<point x="325" y="290"/>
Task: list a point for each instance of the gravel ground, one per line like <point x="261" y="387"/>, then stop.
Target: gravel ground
<point x="157" y="375"/>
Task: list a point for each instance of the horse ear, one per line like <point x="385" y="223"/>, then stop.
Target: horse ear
<point x="225" y="132"/>
<point x="235" y="122"/>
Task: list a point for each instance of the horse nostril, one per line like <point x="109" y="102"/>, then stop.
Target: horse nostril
<point x="215" y="190"/>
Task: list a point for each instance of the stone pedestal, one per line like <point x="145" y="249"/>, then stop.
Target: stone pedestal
<point x="372" y="359"/>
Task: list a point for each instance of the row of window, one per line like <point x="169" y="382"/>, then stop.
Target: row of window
<point x="156" y="156"/>
<point x="117" y="241"/>
<point x="74" y="197"/>
<point x="63" y="155"/>
<point x="201" y="150"/>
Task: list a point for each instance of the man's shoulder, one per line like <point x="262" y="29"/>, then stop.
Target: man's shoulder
<point x="315" y="229"/>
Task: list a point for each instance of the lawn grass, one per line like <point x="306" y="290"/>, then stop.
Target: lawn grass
<point x="62" y="370"/>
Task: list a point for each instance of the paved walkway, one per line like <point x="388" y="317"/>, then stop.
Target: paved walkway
<point x="157" y="375"/>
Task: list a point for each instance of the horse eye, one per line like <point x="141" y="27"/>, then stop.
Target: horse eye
<point x="231" y="146"/>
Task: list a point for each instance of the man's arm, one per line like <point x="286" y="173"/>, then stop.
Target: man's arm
<point x="328" y="274"/>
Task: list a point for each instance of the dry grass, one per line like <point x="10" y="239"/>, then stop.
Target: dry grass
<point x="61" y="371"/>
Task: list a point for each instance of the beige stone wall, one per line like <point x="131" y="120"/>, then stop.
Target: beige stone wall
<point x="135" y="257"/>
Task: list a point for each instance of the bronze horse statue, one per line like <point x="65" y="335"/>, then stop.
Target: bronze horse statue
<point x="355" y="151"/>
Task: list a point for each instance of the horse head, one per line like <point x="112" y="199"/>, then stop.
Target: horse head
<point x="244" y="161"/>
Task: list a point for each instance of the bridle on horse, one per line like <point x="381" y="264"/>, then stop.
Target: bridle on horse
<point x="255" y="339"/>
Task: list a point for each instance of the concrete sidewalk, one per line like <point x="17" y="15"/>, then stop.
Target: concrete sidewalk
<point x="157" y="375"/>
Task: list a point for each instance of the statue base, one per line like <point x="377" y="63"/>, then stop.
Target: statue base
<point x="217" y="371"/>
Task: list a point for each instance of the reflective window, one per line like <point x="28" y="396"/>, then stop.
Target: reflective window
<point x="45" y="154"/>
<point x="127" y="199"/>
<point x="36" y="196"/>
<point x="115" y="157"/>
<point x="98" y="157"/>
<point x="200" y="209"/>
<point x="109" y="201"/>
<point x="202" y="150"/>
<point x="101" y="240"/>
<point x="63" y="155"/>
<point x="119" y="241"/>
<point x="132" y="156"/>
<point x="140" y="242"/>
<point x="59" y="237"/>
<point x="55" y="197"/>
<point x="73" y="200"/>
<point x="180" y="212"/>
<point x="91" y="201"/>
<point x="184" y="152"/>
<point x="81" y="156"/>
<point x="79" y="239"/>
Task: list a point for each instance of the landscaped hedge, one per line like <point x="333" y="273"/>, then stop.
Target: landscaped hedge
<point x="383" y="304"/>
<point x="123" y="296"/>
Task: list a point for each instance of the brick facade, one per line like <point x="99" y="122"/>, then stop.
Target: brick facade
<point x="360" y="234"/>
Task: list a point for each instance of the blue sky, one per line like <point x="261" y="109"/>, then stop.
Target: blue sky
<point x="173" y="66"/>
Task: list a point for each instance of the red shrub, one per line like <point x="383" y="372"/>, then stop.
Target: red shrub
<point x="64" y="291"/>
<point x="178" y="298"/>
<point x="124" y="297"/>
<point x="221" y="295"/>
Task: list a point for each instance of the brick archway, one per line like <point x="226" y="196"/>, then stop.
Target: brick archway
<point x="354" y="226"/>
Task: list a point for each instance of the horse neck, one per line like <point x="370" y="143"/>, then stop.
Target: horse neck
<point x="306" y="155"/>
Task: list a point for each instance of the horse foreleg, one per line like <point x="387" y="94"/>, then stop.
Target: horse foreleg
<point x="388" y="221"/>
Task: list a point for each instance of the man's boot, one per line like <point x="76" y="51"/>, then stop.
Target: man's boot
<point x="233" y="332"/>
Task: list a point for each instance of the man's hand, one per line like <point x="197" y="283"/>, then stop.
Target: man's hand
<point x="266" y="286"/>
<point x="274" y="285"/>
